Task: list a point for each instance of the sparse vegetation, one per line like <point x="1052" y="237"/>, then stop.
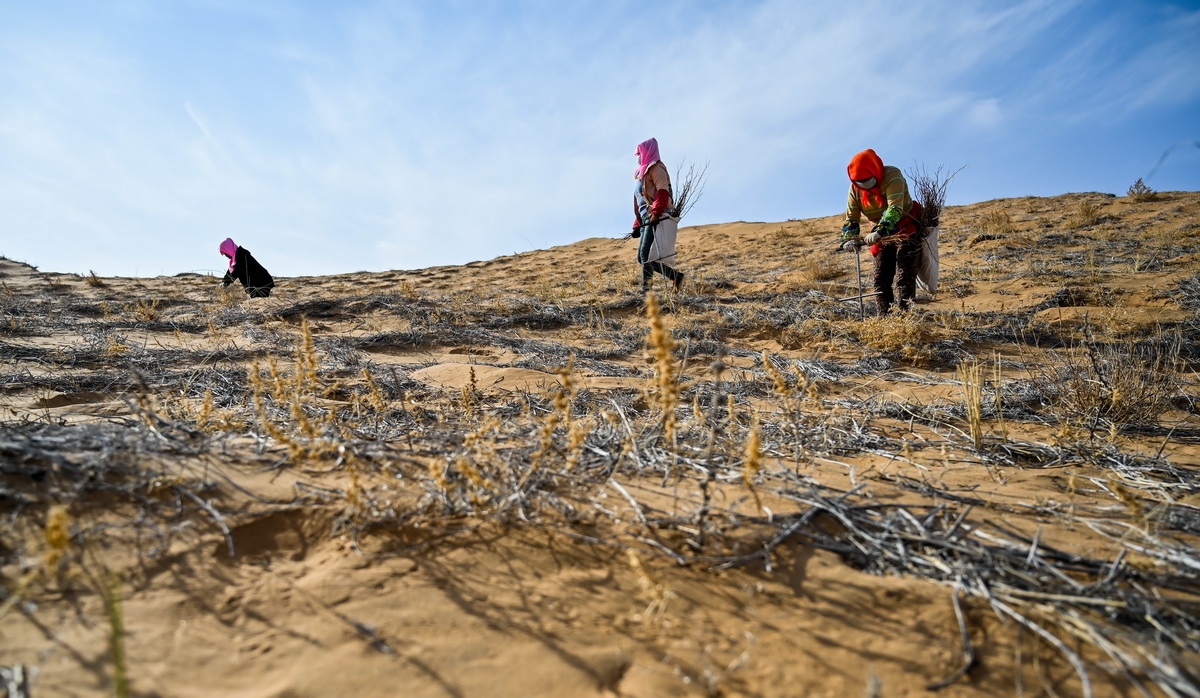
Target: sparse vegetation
<point x="1140" y="193"/>
<point x="551" y="457"/>
<point x="817" y="268"/>
<point x="1103" y="386"/>
<point x="1087" y="214"/>
<point x="909" y="338"/>
<point x="993" y="225"/>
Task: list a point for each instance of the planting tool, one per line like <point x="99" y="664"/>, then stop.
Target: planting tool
<point x="862" y="309"/>
<point x="865" y="295"/>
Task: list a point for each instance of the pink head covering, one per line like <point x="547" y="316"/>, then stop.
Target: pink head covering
<point x="229" y="249"/>
<point x="647" y="152"/>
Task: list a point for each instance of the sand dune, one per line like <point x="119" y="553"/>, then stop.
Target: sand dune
<point x="480" y="480"/>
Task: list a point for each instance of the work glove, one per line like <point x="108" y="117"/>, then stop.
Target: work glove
<point x="636" y="232"/>
<point x="851" y="244"/>
<point x="849" y="232"/>
<point x="889" y="222"/>
<point x="882" y="230"/>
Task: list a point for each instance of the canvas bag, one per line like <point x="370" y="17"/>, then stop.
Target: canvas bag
<point x="665" y="230"/>
<point x="663" y="248"/>
<point x="927" y="265"/>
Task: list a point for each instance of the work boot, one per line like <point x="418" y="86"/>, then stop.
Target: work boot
<point x="678" y="281"/>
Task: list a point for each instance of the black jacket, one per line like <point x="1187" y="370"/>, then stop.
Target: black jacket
<point x="254" y="277"/>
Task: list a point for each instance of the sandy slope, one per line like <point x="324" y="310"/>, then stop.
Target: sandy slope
<point x="474" y="606"/>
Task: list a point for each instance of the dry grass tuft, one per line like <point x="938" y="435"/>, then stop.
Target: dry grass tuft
<point x="996" y="224"/>
<point x="1087" y="214"/>
<point x="818" y="268"/>
<point x="1099" y="386"/>
<point x="114" y="346"/>
<point x="661" y="352"/>
<point x="408" y="290"/>
<point x="905" y="336"/>
<point x="57" y="534"/>
<point x="144" y="310"/>
<point x="971" y="378"/>
<point x="654" y="589"/>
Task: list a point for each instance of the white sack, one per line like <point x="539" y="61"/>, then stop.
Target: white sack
<point x="663" y="249"/>
<point x="927" y="267"/>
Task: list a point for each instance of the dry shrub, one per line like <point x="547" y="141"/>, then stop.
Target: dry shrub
<point x="706" y="285"/>
<point x="145" y="311"/>
<point x="408" y="290"/>
<point x="817" y="268"/>
<point x="996" y="223"/>
<point x="94" y="281"/>
<point x="904" y="335"/>
<point x="813" y="333"/>
<point x="227" y="297"/>
<point x="1086" y="215"/>
<point x="794" y="232"/>
<point x="114" y="346"/>
<point x="287" y="403"/>
<point x="1140" y="193"/>
<point x="1114" y="385"/>
<point x="993" y="225"/>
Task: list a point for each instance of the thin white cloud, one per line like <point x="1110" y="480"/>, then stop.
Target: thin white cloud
<point x="374" y="135"/>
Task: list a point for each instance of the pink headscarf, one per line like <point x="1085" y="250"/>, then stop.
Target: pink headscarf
<point x="229" y="249"/>
<point x="647" y="152"/>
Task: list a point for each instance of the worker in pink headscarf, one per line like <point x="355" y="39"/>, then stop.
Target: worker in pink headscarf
<point x="245" y="268"/>
<point x="657" y="223"/>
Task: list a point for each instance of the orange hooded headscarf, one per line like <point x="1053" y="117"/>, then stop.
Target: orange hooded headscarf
<point x="864" y="166"/>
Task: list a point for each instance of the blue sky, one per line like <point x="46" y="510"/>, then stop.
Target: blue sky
<point x="332" y="137"/>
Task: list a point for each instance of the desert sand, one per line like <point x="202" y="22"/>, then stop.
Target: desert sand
<point x="520" y="477"/>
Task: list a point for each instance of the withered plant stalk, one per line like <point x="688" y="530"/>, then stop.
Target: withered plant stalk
<point x="971" y="377"/>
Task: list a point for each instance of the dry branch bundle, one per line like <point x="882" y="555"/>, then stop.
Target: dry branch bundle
<point x="689" y="186"/>
<point x="929" y="189"/>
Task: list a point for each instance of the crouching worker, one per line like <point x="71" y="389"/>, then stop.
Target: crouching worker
<point x="657" y="223"/>
<point x="245" y="268"/>
<point x="880" y="193"/>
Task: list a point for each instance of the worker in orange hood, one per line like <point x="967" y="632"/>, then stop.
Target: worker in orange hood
<point x="880" y="193"/>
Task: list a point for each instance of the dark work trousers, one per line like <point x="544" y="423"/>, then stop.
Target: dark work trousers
<point x="899" y="260"/>
<point x="645" y="252"/>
